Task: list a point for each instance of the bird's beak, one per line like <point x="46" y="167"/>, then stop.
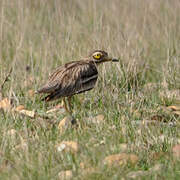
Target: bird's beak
<point x="113" y="60"/>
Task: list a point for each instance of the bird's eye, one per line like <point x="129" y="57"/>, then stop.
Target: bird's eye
<point x="97" y="56"/>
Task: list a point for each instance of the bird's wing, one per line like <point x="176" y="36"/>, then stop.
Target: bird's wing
<point x="70" y="79"/>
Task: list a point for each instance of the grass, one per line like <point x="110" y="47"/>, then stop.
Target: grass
<point x="36" y="36"/>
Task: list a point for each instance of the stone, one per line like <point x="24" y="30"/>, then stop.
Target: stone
<point x="28" y="113"/>
<point x="68" y="146"/>
<point x="19" y="108"/>
<point x="121" y="159"/>
<point x="5" y="104"/>
<point x="174" y="108"/>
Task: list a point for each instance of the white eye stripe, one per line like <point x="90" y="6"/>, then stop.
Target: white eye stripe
<point x="97" y="54"/>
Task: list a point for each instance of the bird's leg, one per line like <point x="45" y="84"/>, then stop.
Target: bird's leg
<point x="73" y="120"/>
<point x="69" y="110"/>
<point x="65" y="105"/>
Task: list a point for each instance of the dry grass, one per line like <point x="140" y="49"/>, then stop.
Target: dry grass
<point x="38" y="35"/>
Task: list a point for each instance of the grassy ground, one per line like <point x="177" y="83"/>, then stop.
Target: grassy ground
<point x="38" y="35"/>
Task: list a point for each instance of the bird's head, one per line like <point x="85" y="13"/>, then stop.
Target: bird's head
<point x="99" y="56"/>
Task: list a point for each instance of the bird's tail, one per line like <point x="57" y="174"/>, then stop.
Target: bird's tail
<point x="50" y="97"/>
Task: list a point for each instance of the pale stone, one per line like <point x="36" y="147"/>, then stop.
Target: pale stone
<point x="19" y="108"/>
<point x="5" y="104"/>
<point x="68" y="146"/>
<point x="28" y="113"/>
<point x="174" y="108"/>
<point x="121" y="159"/>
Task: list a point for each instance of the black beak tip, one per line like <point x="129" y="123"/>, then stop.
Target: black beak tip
<point x="115" y="60"/>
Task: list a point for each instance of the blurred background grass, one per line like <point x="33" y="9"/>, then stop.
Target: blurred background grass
<point x="38" y="35"/>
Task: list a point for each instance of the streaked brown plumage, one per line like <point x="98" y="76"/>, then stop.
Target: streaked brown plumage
<point x="74" y="77"/>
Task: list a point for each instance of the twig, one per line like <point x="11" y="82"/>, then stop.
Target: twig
<point x="5" y="80"/>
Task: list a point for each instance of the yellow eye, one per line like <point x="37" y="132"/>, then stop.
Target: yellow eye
<point x="97" y="56"/>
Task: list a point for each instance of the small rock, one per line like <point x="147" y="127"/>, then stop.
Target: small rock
<point x="68" y="146"/>
<point x="5" y="104"/>
<point x="65" y="175"/>
<point x="174" y="108"/>
<point x="121" y="159"/>
<point x="176" y="151"/>
<point x="28" y="113"/>
<point x="64" y="124"/>
<point x="19" y="108"/>
<point x="100" y="118"/>
<point x="136" y="174"/>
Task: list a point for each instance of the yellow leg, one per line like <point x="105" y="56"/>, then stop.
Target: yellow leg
<point x="65" y="105"/>
<point x="69" y="110"/>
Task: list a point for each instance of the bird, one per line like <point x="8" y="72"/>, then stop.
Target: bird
<point x="74" y="77"/>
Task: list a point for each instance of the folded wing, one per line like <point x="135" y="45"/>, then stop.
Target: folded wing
<point x="72" y="78"/>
